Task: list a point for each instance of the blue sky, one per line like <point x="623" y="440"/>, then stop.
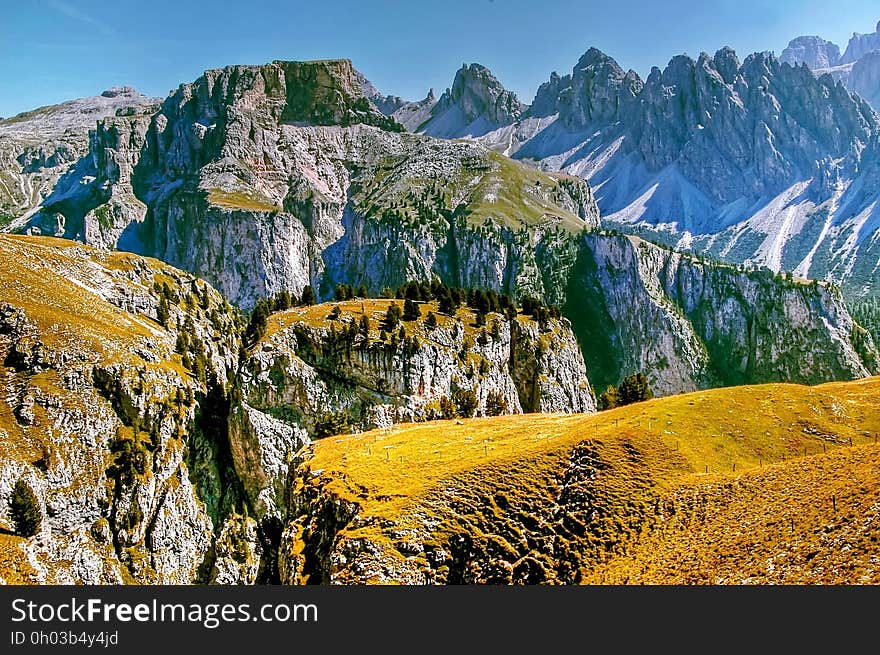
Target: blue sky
<point x="53" y="50"/>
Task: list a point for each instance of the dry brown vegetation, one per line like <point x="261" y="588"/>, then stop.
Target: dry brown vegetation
<point x="772" y="483"/>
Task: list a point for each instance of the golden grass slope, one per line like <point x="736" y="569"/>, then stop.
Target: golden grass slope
<point x="772" y="483"/>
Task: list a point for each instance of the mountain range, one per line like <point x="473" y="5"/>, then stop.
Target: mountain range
<point x="753" y="161"/>
<point x="201" y="289"/>
<point x="760" y="161"/>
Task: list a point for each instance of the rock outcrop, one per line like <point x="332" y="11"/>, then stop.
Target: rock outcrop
<point x="864" y="77"/>
<point x="690" y="324"/>
<point x="114" y="371"/>
<point x="860" y="45"/>
<point x="38" y="147"/>
<point x="812" y="51"/>
<point x="321" y="363"/>
<point x="476" y="103"/>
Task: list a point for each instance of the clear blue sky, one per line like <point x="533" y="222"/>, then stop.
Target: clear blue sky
<point x="53" y="50"/>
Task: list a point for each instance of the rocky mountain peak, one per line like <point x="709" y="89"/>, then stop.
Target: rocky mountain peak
<point x="327" y="92"/>
<point x="477" y="93"/>
<point x="814" y="51"/>
<point x="860" y="45"/>
<point x="727" y="63"/>
<point x="596" y="92"/>
<point x="116" y="91"/>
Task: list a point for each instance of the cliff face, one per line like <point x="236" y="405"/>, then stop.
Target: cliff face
<point x="157" y="455"/>
<point x="690" y="324"/>
<point x="267" y="178"/>
<point x="813" y="51"/>
<point x="752" y="161"/>
<point x="37" y="148"/>
<point x="113" y="430"/>
<point x="313" y="365"/>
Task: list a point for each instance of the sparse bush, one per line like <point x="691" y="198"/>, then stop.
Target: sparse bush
<point x="496" y="404"/>
<point x="609" y="399"/>
<point x="465" y="402"/>
<point x="25" y="510"/>
<point x="447" y="408"/>
<point x="331" y="423"/>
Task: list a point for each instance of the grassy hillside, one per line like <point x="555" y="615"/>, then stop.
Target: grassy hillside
<point x="763" y="483"/>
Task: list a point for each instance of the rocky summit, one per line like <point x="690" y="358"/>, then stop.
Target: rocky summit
<point x="858" y="68"/>
<point x="749" y="161"/>
<point x="38" y="147"/>
<point x="476" y="103"/>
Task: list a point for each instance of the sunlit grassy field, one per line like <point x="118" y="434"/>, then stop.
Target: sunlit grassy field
<point x="712" y="486"/>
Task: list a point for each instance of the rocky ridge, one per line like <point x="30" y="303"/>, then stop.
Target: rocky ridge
<point x="111" y="427"/>
<point x="38" y="147"/>
<point x="319" y="363"/>
<point x="754" y="161"/>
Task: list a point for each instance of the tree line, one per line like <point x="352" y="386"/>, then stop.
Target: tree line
<point x="449" y="300"/>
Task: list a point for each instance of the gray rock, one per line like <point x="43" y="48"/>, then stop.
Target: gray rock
<point x="812" y="51"/>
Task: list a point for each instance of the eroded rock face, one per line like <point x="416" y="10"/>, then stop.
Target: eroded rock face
<point x="476" y="104"/>
<point x="812" y="51"/>
<point x="860" y="45"/>
<point x="39" y="147"/>
<point x="268" y="178"/>
<point x="311" y="367"/>
<point x="864" y="77"/>
<point x="690" y="325"/>
<point x="103" y="422"/>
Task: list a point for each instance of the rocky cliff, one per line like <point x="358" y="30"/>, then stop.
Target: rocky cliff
<point x="114" y="371"/>
<point x="38" y="147"/>
<point x="324" y="369"/>
<point x="864" y="77"/>
<point x="860" y="45"/>
<point x="157" y="455"/>
<point x="812" y="51"/>
<point x="691" y="324"/>
<point x="269" y="178"/>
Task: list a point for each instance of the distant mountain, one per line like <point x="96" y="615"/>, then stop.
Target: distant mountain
<point x="755" y="161"/>
<point x="37" y="147"/>
<point x="858" y="67"/>
<point x="860" y="45"/>
<point x="813" y="51"/>
<point x="476" y="103"/>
